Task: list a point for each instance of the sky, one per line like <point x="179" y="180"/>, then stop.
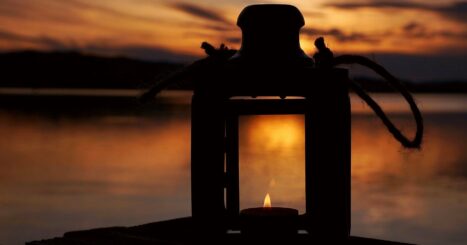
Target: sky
<point x="420" y="40"/>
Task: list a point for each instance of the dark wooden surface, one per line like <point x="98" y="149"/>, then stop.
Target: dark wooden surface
<point x="181" y="231"/>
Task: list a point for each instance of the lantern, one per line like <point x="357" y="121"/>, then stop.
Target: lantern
<point x="271" y="63"/>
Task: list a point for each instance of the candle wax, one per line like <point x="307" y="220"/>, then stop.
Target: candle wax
<point x="269" y="211"/>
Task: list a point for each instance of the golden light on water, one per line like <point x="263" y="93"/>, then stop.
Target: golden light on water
<point x="124" y="170"/>
<point x="267" y="201"/>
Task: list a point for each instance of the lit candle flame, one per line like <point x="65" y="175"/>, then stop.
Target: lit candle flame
<point x="267" y="201"/>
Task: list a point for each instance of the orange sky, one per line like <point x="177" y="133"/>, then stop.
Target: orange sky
<point x="180" y="26"/>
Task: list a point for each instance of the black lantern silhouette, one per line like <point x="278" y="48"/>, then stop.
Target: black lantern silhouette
<point x="271" y="63"/>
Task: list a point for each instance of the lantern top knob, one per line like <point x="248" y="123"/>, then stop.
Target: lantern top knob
<point x="270" y="16"/>
<point x="270" y="36"/>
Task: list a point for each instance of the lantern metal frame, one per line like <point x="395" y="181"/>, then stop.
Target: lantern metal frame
<point x="215" y="162"/>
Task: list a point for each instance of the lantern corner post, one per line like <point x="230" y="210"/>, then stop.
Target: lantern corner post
<point x="207" y="162"/>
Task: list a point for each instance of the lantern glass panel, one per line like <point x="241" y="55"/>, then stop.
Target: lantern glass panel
<point x="272" y="160"/>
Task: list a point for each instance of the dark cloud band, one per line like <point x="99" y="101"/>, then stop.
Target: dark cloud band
<point x="200" y="12"/>
<point x="340" y="35"/>
<point x="456" y="11"/>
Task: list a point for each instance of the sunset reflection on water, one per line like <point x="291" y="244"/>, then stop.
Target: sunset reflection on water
<point x="61" y="173"/>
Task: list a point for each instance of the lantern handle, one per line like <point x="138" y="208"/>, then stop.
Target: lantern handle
<point x="398" y="86"/>
<point x="324" y="58"/>
<point x="215" y="57"/>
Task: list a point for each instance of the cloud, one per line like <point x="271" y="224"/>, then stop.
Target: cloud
<point x="234" y="40"/>
<point x="110" y="11"/>
<point x="339" y="35"/>
<point x="216" y="27"/>
<point x="219" y="28"/>
<point x="14" y="9"/>
<point x="456" y="11"/>
<point x="69" y="15"/>
<point x="10" y="36"/>
<point x="149" y="53"/>
<point x="200" y="12"/>
<point x="313" y="14"/>
<point x="418" y="30"/>
<point x="413" y="27"/>
<point x="29" y="11"/>
<point x="376" y="4"/>
<point x="100" y="47"/>
<point x="70" y="11"/>
<point x="42" y="41"/>
<point x="428" y="67"/>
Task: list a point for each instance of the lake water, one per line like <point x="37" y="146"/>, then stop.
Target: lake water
<point x="62" y="172"/>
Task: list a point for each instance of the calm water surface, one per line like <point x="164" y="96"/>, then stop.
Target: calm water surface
<point x="60" y="173"/>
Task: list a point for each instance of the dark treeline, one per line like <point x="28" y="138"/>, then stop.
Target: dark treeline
<point x="75" y="70"/>
<point x="34" y="69"/>
<point x="376" y="85"/>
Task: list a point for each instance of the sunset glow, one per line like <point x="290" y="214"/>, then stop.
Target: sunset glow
<point x="175" y="29"/>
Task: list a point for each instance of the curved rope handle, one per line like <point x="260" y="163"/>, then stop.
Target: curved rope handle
<point x="216" y="56"/>
<point x="396" y="84"/>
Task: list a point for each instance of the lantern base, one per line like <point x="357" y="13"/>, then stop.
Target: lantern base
<point x="271" y="221"/>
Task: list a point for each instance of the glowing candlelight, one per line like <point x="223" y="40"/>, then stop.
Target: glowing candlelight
<point x="269" y="210"/>
<point x="269" y="220"/>
<point x="267" y="201"/>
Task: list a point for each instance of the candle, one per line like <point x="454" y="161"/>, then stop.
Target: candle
<point x="269" y="212"/>
<point x="269" y="220"/>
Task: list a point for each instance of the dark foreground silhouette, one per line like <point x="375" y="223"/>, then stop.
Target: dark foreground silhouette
<point x="181" y="232"/>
